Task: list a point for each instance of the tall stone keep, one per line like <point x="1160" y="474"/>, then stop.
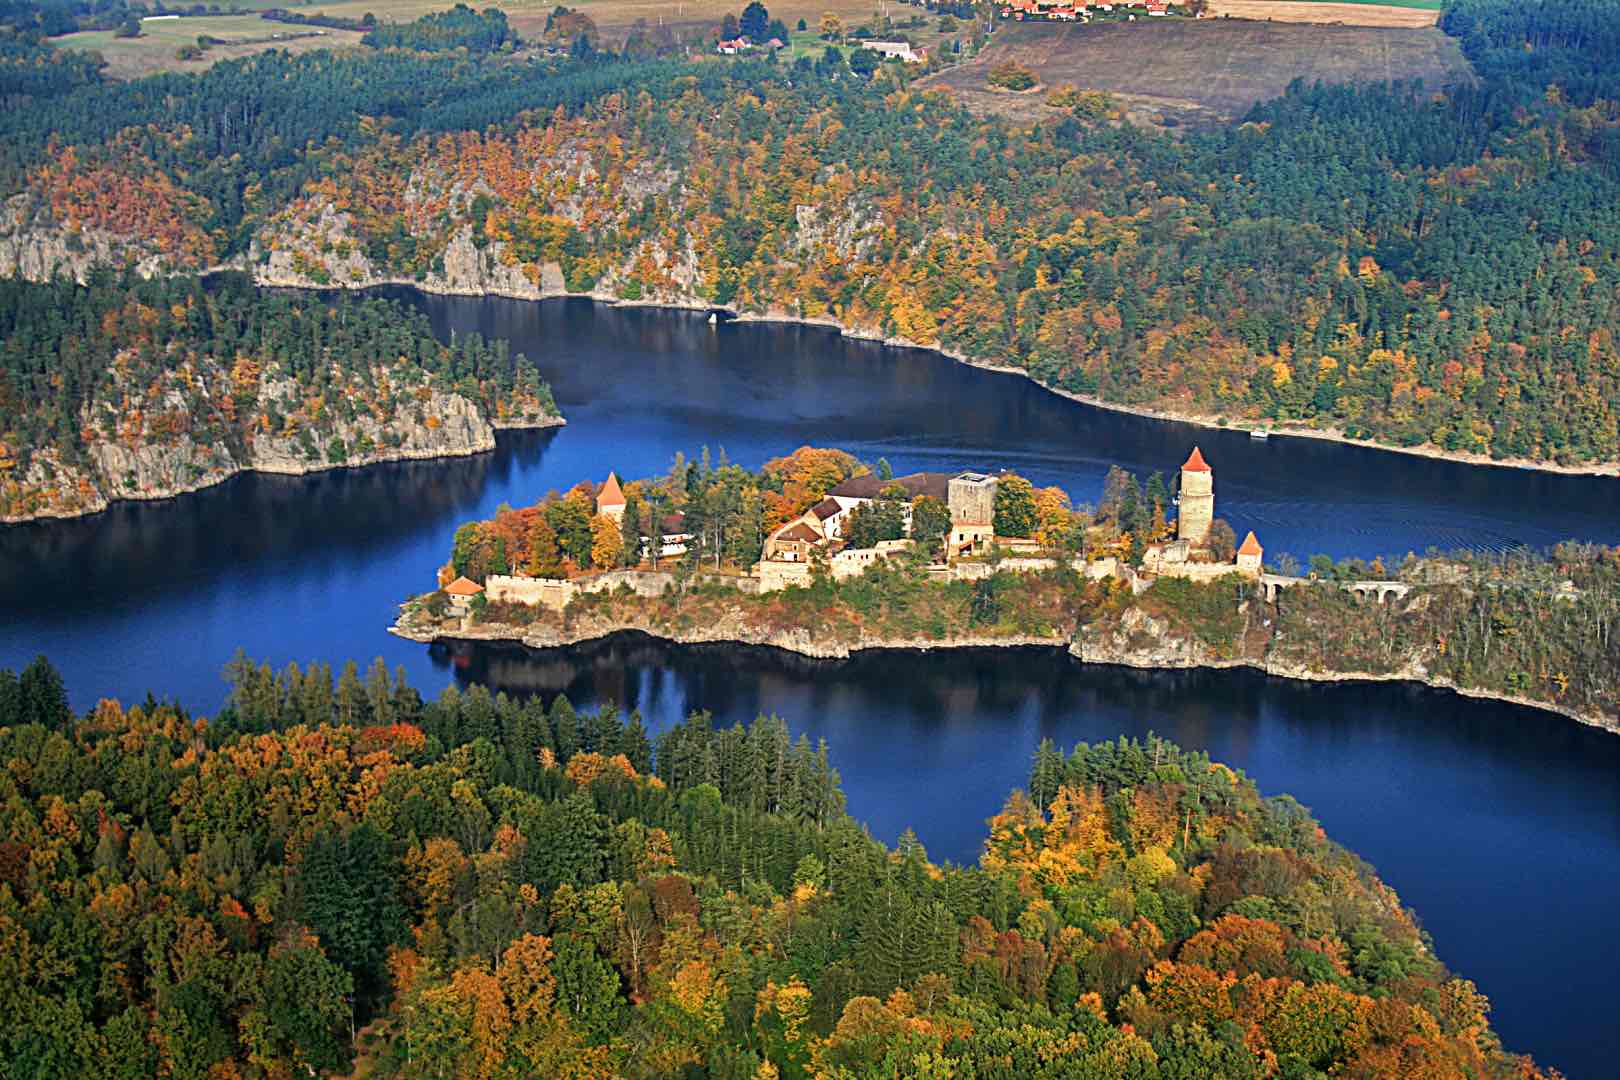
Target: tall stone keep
<point x="972" y="499"/>
<point x="1197" y="510"/>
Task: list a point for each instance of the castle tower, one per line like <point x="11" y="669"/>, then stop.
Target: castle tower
<point x="1197" y="509"/>
<point x="971" y="498"/>
<point x="1251" y="555"/>
<point x="610" y="500"/>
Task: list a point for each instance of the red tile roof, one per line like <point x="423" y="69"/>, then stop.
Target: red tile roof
<point x="1195" y="463"/>
<point x="1251" y="546"/>
<point x="611" y="494"/>
<point x="826" y="508"/>
<point x="798" y="531"/>
<point x="463" y="586"/>
<point x="870" y="486"/>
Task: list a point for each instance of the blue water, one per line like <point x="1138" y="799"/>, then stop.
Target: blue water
<point x="1500" y="825"/>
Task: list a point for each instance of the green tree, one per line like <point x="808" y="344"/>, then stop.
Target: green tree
<point x="755" y="22"/>
<point x="305" y="999"/>
<point x="349" y="891"/>
<point x="587" y="986"/>
<point x="1015" y="506"/>
<point x="880" y="519"/>
<point x="930" y="522"/>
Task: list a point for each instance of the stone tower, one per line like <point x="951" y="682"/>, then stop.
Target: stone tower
<point x="1197" y="509"/>
<point x="971" y="498"/>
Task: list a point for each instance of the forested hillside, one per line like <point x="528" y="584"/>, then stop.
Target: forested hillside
<point x="1420" y="265"/>
<point x="330" y="876"/>
<point x="125" y="388"/>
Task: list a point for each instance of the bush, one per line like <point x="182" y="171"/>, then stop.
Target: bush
<point x="1011" y="76"/>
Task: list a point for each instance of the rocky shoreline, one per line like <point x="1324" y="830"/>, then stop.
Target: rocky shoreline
<point x="478" y="442"/>
<point x="1173" y="656"/>
<point x="553" y="290"/>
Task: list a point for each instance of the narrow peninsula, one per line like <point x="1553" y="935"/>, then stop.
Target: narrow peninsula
<point x="822" y="555"/>
<point x="340" y="878"/>
<point x="143" y="389"/>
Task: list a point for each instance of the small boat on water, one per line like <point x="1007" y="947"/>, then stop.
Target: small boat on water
<point x="1257" y="433"/>
<point x="713" y="318"/>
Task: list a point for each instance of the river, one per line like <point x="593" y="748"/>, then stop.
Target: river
<point x="1500" y="825"/>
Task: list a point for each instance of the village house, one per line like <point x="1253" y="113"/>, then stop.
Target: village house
<point x="734" y="46"/>
<point x="897" y="50"/>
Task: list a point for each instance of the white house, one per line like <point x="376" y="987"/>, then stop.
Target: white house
<point x="897" y="50"/>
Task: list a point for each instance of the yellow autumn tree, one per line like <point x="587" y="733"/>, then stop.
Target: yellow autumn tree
<point x="607" y="542"/>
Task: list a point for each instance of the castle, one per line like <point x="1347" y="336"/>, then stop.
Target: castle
<point x="1188" y="555"/>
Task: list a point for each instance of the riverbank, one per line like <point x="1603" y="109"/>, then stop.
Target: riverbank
<point x="95" y="501"/>
<point x="550" y="291"/>
<point x="1316" y="634"/>
<point x="836" y="653"/>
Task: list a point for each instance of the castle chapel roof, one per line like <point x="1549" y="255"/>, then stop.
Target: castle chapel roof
<point x="611" y="494"/>
<point x="1195" y="463"/>
<point x="1251" y="546"/>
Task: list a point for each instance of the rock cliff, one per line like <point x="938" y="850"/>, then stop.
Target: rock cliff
<point x="147" y="465"/>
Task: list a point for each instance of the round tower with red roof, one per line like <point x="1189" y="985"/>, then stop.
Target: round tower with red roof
<point x="1197" y="508"/>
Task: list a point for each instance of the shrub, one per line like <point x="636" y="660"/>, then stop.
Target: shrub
<point x="1009" y="75"/>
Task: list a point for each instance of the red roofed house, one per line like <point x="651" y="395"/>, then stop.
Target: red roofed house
<point x="1249" y="555"/>
<point x="461" y="591"/>
<point x="610" y="500"/>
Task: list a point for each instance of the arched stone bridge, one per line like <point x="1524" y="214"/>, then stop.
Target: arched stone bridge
<point x="1272" y="585"/>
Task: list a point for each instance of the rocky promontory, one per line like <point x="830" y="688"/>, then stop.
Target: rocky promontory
<point x="146" y="467"/>
<point x="1315" y="633"/>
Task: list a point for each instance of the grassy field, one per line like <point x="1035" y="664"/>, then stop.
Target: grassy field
<point x="1207" y="71"/>
<point x="155" y="50"/>
<point x="1407" y="13"/>
<point x="615" y="17"/>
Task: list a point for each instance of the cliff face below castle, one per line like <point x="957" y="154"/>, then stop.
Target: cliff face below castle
<point x="1317" y="635"/>
<point x="154" y="459"/>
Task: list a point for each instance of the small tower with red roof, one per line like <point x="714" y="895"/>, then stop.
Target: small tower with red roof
<point x="1196" y="512"/>
<point x="1250" y="555"/>
<point x="610" y="500"/>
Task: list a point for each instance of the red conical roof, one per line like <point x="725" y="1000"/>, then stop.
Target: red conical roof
<point x="1251" y="546"/>
<point x="611" y="494"/>
<point x="1195" y="463"/>
<point x="462" y="586"/>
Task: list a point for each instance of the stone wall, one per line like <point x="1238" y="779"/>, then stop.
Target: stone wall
<point x="555" y="593"/>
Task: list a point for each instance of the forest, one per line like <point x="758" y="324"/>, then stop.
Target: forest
<point x="1421" y="266"/>
<point x="338" y="875"/>
<point x="220" y="367"/>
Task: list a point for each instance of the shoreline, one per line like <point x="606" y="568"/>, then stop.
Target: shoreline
<point x="390" y="457"/>
<point x="1610" y="469"/>
<point x="800" y="645"/>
